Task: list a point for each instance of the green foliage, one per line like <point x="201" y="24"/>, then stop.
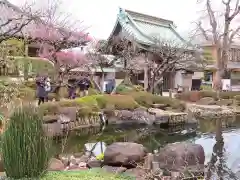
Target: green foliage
<point x="15" y="47"/>
<point x="92" y="91"/>
<point x="8" y="91"/>
<point x="30" y="84"/>
<point x="88" y="101"/>
<point x="206" y="88"/>
<point x="120" y="102"/>
<point x="100" y="156"/>
<point x="93" y="174"/>
<point x="123" y="88"/>
<point x="187" y="96"/>
<point x="50" y="108"/>
<point x="89" y="105"/>
<point x="34" y="65"/>
<point x="25" y="148"/>
<point x="27" y="93"/>
<point x="143" y="98"/>
<point x="146" y="99"/>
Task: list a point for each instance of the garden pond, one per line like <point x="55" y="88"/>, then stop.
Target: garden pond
<point x="154" y="138"/>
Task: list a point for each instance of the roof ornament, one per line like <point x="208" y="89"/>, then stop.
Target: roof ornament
<point x="123" y="15"/>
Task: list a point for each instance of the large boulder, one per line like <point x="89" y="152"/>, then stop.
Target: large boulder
<point x="210" y="111"/>
<point x="224" y="102"/>
<point x="138" y="173"/>
<point x="142" y="116"/>
<point x="56" y="165"/>
<point x="115" y="170"/>
<point x="179" y="155"/>
<point x="160" y="115"/>
<point x="138" y="116"/>
<point x="126" y="154"/>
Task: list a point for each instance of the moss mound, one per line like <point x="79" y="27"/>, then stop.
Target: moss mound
<point x="85" y="175"/>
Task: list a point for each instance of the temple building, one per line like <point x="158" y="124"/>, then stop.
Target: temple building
<point x="140" y="29"/>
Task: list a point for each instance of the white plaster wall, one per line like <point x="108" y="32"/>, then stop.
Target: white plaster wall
<point x="178" y="80"/>
<point x="187" y="81"/>
<point x="110" y="75"/>
<point x="198" y="75"/>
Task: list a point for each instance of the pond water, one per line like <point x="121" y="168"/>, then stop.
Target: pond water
<point x="155" y="138"/>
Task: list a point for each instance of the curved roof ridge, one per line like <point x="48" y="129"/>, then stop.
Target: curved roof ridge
<point x="149" y="17"/>
<point x="137" y="27"/>
<point x="179" y="36"/>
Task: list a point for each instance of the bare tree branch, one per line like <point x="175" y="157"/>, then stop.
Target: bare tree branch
<point x="15" y="19"/>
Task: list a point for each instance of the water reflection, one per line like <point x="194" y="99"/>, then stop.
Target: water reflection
<point x="221" y="148"/>
<point x="222" y="154"/>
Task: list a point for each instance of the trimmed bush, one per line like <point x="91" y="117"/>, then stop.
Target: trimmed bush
<point x="25" y="148"/>
<point x="123" y="88"/>
<point x="173" y="103"/>
<point x="194" y="96"/>
<point x="91" y="104"/>
<point x="147" y="100"/>
<point x="120" y="102"/>
<point x="143" y="98"/>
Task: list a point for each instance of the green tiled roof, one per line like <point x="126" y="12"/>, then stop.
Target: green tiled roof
<point x="145" y="29"/>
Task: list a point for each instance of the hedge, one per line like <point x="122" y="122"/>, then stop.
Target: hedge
<point x="197" y="95"/>
<point x="123" y="88"/>
<point x="128" y="101"/>
<point x="146" y="99"/>
<point x="91" y="104"/>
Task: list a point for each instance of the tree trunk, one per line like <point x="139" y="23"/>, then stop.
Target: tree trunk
<point x="127" y="78"/>
<point x="145" y="78"/>
<point x="26" y="63"/>
<point x="26" y="69"/>
<point x="153" y="84"/>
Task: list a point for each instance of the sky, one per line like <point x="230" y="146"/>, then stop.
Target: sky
<point x="99" y="16"/>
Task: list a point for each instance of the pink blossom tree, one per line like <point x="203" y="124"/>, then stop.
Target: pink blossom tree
<point x="55" y="33"/>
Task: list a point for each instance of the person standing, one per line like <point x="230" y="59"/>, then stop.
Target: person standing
<point x="41" y="92"/>
<point x="87" y="84"/>
<point x="47" y="87"/>
<point x="81" y="86"/>
<point x="71" y="89"/>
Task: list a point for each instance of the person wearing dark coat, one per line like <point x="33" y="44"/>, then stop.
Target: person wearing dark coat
<point x="71" y="89"/>
<point x="41" y="91"/>
<point x="81" y="86"/>
<point x="87" y="84"/>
